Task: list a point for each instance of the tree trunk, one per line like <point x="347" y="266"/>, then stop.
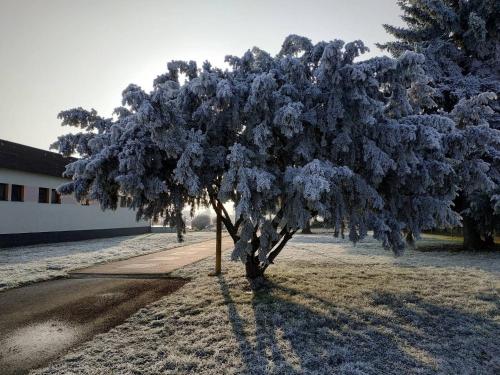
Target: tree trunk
<point x="410" y="239"/>
<point x="472" y="239"/>
<point x="489" y="241"/>
<point x="254" y="273"/>
<point x="253" y="269"/>
<point x="307" y="228"/>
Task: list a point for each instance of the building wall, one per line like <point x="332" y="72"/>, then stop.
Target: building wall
<point x="30" y="216"/>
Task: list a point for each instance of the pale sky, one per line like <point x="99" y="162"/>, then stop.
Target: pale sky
<point x="60" y="54"/>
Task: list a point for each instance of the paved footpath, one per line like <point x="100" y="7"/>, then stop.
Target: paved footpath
<point x="156" y="264"/>
<point x="42" y="321"/>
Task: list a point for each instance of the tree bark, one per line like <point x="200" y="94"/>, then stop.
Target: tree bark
<point x="471" y="233"/>
<point x="252" y="267"/>
<point x="489" y="241"/>
<point x="410" y="239"/>
<point x="254" y="273"/>
<point x="472" y="238"/>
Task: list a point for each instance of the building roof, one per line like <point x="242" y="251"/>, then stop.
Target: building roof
<point x="29" y="159"/>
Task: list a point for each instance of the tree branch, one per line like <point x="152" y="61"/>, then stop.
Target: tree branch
<point x="255" y="239"/>
<point x="219" y="210"/>
<point x="276" y="220"/>
<point x="226" y="214"/>
<point x="237" y="224"/>
<point x="273" y="254"/>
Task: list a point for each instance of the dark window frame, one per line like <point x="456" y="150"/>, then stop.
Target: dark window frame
<point x="43" y="195"/>
<point x="4" y="194"/>
<point x="55" y="197"/>
<point x="14" y="191"/>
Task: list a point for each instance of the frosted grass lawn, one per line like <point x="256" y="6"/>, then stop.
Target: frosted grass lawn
<point x="25" y="265"/>
<point x="329" y="308"/>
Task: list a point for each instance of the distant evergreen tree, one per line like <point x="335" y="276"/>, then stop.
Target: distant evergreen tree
<point x="460" y="41"/>
<point x="306" y="133"/>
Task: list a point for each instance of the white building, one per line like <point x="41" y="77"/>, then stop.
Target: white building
<point x="31" y="211"/>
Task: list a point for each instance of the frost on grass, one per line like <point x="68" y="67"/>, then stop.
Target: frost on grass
<point x="24" y="265"/>
<point x="329" y="308"/>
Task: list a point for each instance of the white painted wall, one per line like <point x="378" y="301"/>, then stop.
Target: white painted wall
<point x="30" y="216"/>
<point x="9" y="176"/>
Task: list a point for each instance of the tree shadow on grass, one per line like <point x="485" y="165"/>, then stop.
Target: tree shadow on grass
<point x="460" y="341"/>
<point x="454" y="247"/>
<point x="249" y="356"/>
<point x="300" y="333"/>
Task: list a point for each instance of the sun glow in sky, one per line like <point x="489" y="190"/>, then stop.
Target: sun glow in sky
<point x="58" y="54"/>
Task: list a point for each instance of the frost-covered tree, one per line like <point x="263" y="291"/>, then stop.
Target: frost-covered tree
<point x="308" y="132"/>
<point x="460" y="40"/>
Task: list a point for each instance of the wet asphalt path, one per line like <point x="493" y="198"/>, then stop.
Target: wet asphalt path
<point x="41" y="322"/>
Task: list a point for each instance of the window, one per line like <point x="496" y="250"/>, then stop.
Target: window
<point x="17" y="193"/>
<point x="55" y="197"/>
<point x="4" y="192"/>
<point x="43" y="195"/>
